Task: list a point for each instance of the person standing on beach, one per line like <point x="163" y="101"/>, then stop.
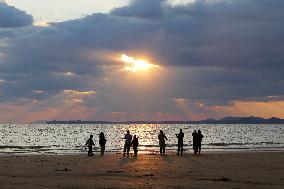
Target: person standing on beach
<point x="194" y="138"/>
<point x="180" y="142"/>
<point x="135" y="144"/>
<point x="90" y="143"/>
<point x="199" y="139"/>
<point x="127" y="145"/>
<point x="162" y="142"/>
<point x="102" y="142"/>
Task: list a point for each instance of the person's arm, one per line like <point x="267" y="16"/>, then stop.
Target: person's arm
<point x="165" y="137"/>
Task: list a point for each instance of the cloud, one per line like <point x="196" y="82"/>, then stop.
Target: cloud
<point x="11" y="17"/>
<point x="210" y="53"/>
<point x="139" y="8"/>
<point x="254" y="108"/>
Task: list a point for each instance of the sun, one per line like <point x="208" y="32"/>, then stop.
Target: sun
<point x="133" y="65"/>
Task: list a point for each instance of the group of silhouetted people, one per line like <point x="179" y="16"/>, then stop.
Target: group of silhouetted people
<point x="90" y="143"/>
<point x="129" y="141"/>
<point x="197" y="139"/>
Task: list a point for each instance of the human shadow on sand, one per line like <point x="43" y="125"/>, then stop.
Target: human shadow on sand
<point x="127" y="159"/>
<point x="166" y="158"/>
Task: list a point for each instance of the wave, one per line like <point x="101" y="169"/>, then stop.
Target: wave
<point x="242" y="144"/>
<point x="22" y="147"/>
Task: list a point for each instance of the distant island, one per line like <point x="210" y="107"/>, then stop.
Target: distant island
<point x="225" y="120"/>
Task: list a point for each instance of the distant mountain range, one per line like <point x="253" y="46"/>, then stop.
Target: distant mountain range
<point x="225" y="120"/>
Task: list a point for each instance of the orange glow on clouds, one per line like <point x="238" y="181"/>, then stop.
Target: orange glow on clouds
<point x="133" y="65"/>
<point x="69" y="105"/>
<point x="252" y="108"/>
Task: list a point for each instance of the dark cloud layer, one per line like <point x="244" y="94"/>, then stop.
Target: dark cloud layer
<point x="216" y="51"/>
<point x="11" y="17"/>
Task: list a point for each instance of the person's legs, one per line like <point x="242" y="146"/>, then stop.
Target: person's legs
<point x="128" y="149"/>
<point x="102" y="149"/>
<point x="181" y="149"/>
<point x="135" y="151"/>
<point x="124" y="150"/>
<point x="195" y="149"/>
<point x="90" y="152"/>
<point x="178" y="149"/>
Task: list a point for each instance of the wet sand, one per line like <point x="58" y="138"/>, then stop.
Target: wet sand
<point x="210" y="170"/>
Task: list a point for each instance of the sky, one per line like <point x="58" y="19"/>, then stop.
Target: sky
<point x="54" y="10"/>
<point x="140" y="59"/>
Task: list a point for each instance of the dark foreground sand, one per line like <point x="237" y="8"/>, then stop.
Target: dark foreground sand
<point x="210" y="170"/>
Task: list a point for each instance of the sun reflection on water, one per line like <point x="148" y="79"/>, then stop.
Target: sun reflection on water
<point x="62" y="139"/>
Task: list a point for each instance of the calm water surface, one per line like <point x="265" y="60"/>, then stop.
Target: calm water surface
<point x="70" y="139"/>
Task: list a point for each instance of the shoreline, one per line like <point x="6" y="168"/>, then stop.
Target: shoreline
<point x="146" y="152"/>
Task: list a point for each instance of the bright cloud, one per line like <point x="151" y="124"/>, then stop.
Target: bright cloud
<point x="79" y="92"/>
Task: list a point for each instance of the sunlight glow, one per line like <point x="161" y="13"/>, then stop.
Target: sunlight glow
<point x="41" y="24"/>
<point x="80" y="92"/>
<point x="134" y="65"/>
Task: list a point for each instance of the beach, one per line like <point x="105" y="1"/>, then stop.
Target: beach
<point x="210" y="170"/>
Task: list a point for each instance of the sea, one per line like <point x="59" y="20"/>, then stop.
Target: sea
<point x="55" y="139"/>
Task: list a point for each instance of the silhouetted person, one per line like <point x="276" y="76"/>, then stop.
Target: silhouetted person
<point x="180" y="142"/>
<point x="90" y="144"/>
<point x="199" y="139"/>
<point x="194" y="138"/>
<point x="135" y="144"/>
<point x="102" y="142"/>
<point x="127" y="145"/>
<point x="162" y="142"/>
